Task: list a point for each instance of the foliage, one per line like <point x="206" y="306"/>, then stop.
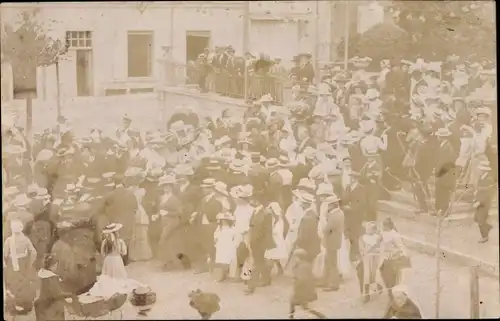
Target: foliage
<point x="27" y="47"/>
<point x="354" y="39"/>
<point x="384" y="41"/>
<point x="441" y="28"/>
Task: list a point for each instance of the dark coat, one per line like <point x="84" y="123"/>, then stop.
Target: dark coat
<point x="307" y="235"/>
<point x="307" y="72"/>
<point x="333" y="230"/>
<point x="50" y="304"/>
<point x="209" y="207"/>
<point x="445" y="164"/>
<point x="354" y="206"/>
<point x="121" y="206"/>
<point x="261" y="231"/>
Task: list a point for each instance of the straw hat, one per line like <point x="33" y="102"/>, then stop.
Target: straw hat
<point x="266" y="99"/>
<point x="272" y="163"/>
<point x="71" y="188"/>
<point x="306" y="184"/>
<point x="108" y="174"/>
<point x="239" y="166"/>
<point x="304" y="196"/>
<point x="221" y="141"/>
<point x="483" y="111"/>
<point x="225" y="216"/>
<point x="111" y="228"/>
<point x="44" y="155"/>
<point x="22" y="200"/>
<point x="167" y="180"/>
<point x="133" y="172"/>
<point x="183" y="170"/>
<point x="208" y="183"/>
<point x="443" y="132"/>
<point x="213" y="165"/>
<point x="325" y="189"/>
<point x="221" y="188"/>
<point x="242" y="191"/>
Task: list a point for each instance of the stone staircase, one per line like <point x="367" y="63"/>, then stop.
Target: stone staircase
<point x="403" y="204"/>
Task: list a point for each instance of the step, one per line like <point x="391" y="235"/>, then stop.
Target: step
<point x="397" y="209"/>
<point x="408" y="199"/>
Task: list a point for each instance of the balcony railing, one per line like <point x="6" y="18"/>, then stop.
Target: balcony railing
<point x="248" y="87"/>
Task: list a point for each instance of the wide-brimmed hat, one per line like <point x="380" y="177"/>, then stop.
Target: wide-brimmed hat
<point x="208" y="183"/>
<point x="443" y="132"/>
<point x="304" y="196"/>
<point x="42" y="193"/>
<point x="221" y="141"/>
<point x="242" y="191"/>
<point x="372" y="93"/>
<point x="239" y="165"/>
<point x="306" y="184"/>
<point x="325" y="189"/>
<point x="183" y="170"/>
<point x="108" y="175"/>
<point x="267" y="98"/>
<point x="178" y="126"/>
<point x="168" y="179"/>
<point x="111" y="228"/>
<point x="14" y="149"/>
<point x="71" y="188"/>
<point x="332" y="199"/>
<point x="221" y="188"/>
<point x="225" y="216"/>
<point x="483" y="111"/>
<point x="44" y="155"/>
<point x="213" y="165"/>
<point x="484" y="166"/>
<point x="272" y="163"/>
<point x="133" y="172"/>
<point x="21" y="200"/>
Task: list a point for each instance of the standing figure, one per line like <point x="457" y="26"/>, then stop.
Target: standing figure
<point x="483" y="197"/>
<point x="353" y="204"/>
<point x="140" y="249"/>
<point x="50" y="304"/>
<point x="445" y="172"/>
<point x="18" y="258"/>
<point x="370" y="251"/>
<point x="304" y="288"/>
<point x="371" y="175"/>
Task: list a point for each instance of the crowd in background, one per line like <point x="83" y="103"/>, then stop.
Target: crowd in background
<point x="277" y="188"/>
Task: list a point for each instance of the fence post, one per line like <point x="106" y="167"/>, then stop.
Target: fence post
<point x="474" y="292"/>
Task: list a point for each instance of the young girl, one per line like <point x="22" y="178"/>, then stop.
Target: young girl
<point x="369" y="245"/>
<point x="113" y="278"/>
<point x="224" y="245"/>
<point x="304" y="286"/>
<point x="279" y="253"/>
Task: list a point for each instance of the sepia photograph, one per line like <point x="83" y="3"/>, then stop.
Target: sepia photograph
<point x="167" y="160"/>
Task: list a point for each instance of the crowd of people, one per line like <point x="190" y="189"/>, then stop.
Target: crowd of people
<point x="250" y="196"/>
<point x="221" y="71"/>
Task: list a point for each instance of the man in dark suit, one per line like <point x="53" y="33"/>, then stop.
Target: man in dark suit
<point x="206" y="222"/>
<point x="260" y="237"/>
<point x="306" y="72"/>
<point x="371" y="176"/>
<point x="331" y="231"/>
<point x="445" y="171"/>
<point x="484" y="196"/>
<point x="353" y="205"/>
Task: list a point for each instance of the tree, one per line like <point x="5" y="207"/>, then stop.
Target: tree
<point x="441" y="28"/>
<point x="27" y="47"/>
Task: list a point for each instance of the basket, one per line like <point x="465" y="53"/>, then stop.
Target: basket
<point x="96" y="307"/>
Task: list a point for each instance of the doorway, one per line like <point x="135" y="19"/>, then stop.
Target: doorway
<point x="84" y="72"/>
<point x="196" y="42"/>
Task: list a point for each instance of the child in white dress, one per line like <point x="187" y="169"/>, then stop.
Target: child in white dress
<point x="370" y="250"/>
<point x="225" y="250"/>
<point x="279" y="254"/>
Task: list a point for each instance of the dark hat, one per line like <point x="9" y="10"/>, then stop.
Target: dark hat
<point x="230" y="48"/>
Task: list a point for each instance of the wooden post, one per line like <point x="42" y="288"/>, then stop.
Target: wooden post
<point x="58" y="84"/>
<point x="346" y="34"/>
<point x="474" y="292"/>
<point x="246" y="42"/>
<point x="29" y="122"/>
<point x="438" y="263"/>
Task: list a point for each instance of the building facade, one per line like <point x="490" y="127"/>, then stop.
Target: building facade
<point x="117" y="45"/>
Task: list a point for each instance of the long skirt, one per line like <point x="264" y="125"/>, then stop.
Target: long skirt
<point x="21" y="284"/>
<point x="113" y="267"/>
<point x="370" y="268"/>
<point x="139" y="249"/>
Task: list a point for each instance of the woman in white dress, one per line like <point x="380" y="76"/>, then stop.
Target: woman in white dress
<point x="113" y="278"/>
<point x="278" y="254"/>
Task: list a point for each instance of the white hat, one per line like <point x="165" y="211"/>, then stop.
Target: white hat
<point x="14" y="149"/>
<point x="483" y="110"/>
<point x="242" y="191"/>
<point x="221" y="141"/>
<point x="325" y="189"/>
<point x="443" y="132"/>
<point x="22" y="200"/>
<point x="133" y="172"/>
<point x="178" y="125"/>
<point x="111" y="228"/>
<point x="183" y="170"/>
<point x="372" y="93"/>
<point x="221" y="187"/>
<point x="167" y="180"/>
<point x="225" y="216"/>
<point x="71" y="188"/>
<point x="266" y="99"/>
<point x="44" y="155"/>
<point x="304" y="196"/>
<point x="306" y="183"/>
<point x="239" y="166"/>
<point x="108" y="174"/>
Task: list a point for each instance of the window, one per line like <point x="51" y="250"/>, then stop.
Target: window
<point x="140" y="53"/>
<point x="79" y="39"/>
